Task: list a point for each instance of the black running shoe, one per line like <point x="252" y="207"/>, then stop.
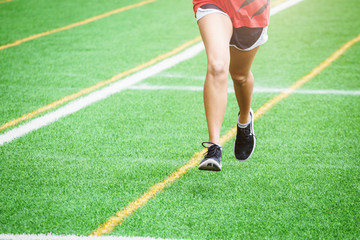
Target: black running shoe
<point x="245" y="140"/>
<point x="212" y="159"/>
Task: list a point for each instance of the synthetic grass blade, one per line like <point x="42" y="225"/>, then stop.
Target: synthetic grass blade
<point x="99" y="85"/>
<point x="5" y="1"/>
<point x="118" y="219"/>
<point x="86" y="21"/>
<point x="66" y="237"/>
<point x="152" y="192"/>
<point x="101" y="94"/>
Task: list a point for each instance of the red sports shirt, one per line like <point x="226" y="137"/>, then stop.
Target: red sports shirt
<point x="243" y="13"/>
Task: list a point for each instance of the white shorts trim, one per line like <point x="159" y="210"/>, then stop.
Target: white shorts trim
<point x="200" y="13"/>
<point x="262" y="39"/>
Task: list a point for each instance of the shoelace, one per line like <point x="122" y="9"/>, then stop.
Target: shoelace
<point x="213" y="150"/>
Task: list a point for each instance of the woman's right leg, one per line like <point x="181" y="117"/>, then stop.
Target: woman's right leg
<point x="216" y="30"/>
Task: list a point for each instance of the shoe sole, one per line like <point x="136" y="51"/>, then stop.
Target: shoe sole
<point x="210" y="165"/>
<point x="252" y="129"/>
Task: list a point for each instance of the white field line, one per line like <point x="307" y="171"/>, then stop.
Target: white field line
<point x="83" y="102"/>
<point x="256" y="90"/>
<point x="67" y="237"/>
<point x="179" y="75"/>
<point x="283" y="6"/>
<point x="116" y="87"/>
<point x="101" y="94"/>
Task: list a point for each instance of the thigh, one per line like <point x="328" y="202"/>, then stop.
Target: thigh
<point x="216" y="30"/>
<point x="241" y="61"/>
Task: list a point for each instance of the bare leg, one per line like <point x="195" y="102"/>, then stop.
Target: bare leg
<point x="243" y="79"/>
<point x="216" y="30"/>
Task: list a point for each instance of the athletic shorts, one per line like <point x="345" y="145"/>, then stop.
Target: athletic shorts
<point x="243" y="38"/>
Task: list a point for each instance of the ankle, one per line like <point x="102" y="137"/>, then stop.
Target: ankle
<point x="212" y="142"/>
<point x="244" y="120"/>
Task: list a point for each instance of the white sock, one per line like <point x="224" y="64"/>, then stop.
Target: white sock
<point x="243" y="125"/>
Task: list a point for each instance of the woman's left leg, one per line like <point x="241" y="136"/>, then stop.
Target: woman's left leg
<point x="240" y="65"/>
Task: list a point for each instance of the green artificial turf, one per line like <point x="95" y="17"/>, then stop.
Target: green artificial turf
<point x="301" y="183"/>
<point x="68" y="178"/>
<point x="44" y="70"/>
<point x="306" y="35"/>
<point x="73" y="177"/>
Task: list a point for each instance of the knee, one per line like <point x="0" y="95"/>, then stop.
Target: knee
<point x="218" y="69"/>
<point x="240" y="79"/>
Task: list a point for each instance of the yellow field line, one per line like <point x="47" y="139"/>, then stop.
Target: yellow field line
<point x="119" y="217"/>
<point x="4" y="1"/>
<point x="98" y="85"/>
<point x="55" y="104"/>
<point x="86" y="21"/>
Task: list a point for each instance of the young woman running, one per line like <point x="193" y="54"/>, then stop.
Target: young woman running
<point x="242" y="24"/>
